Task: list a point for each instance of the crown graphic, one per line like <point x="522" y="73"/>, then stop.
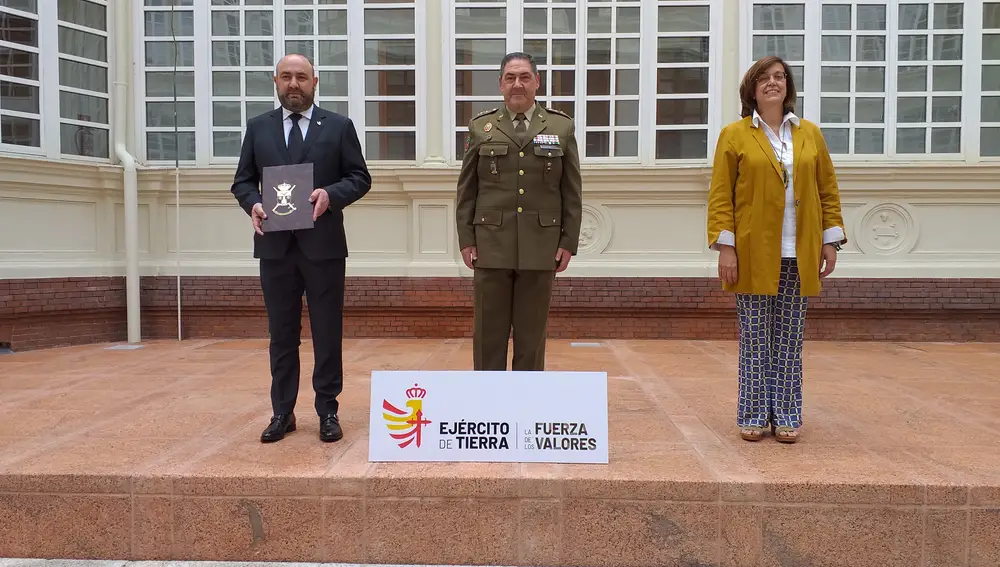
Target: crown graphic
<point x="415" y="392"/>
<point x="284" y="186"/>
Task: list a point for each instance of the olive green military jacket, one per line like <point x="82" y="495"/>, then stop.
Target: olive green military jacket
<point x="520" y="201"/>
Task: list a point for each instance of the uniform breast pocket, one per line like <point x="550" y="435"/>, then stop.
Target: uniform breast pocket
<point x="490" y="159"/>
<point x="552" y="161"/>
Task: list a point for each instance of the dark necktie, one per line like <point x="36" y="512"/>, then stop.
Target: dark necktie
<point x="295" y="139"/>
<point x="521" y="126"/>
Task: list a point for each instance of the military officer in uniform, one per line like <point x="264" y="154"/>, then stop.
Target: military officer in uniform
<point x="518" y="216"/>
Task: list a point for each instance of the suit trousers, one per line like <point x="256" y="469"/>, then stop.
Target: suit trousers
<point x="770" y="346"/>
<point x="506" y="299"/>
<point x="283" y="282"/>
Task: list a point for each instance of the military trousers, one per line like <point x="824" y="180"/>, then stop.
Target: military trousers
<point x="508" y="300"/>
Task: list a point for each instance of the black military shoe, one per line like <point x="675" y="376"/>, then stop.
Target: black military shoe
<point x="279" y="426"/>
<point x="329" y="428"/>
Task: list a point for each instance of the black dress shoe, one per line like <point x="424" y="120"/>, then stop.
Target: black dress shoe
<point x="279" y="426"/>
<point x="329" y="428"/>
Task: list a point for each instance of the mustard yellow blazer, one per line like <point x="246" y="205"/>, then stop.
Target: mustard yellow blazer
<point x="747" y="198"/>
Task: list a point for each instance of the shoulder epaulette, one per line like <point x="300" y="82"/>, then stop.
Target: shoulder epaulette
<point x="484" y="113"/>
<point x="559" y="112"/>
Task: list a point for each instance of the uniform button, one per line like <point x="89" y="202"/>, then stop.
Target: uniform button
<point x="521" y="191"/>
<point x="519" y="209"/>
<point x="521" y="172"/>
<point x="521" y="154"/>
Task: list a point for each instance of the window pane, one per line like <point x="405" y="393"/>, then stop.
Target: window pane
<point x="681" y="80"/>
<point x="19" y="97"/>
<point x="19" y="64"/>
<point x="18" y="29"/>
<point x="681" y="144"/>
<point x="19" y="131"/>
<point x="161" y="146"/>
<point x="82" y="107"/>
<point x="226" y="144"/>
<point x="163" y="84"/>
<point x="83" y="44"/>
<point x="779" y="17"/>
<point x="402" y="113"/>
<point x="86" y="141"/>
<point x="682" y="19"/>
<point x="480" y="52"/>
<point x="390" y="145"/>
<point x="389" y="21"/>
<point x="83" y="13"/>
<point x="83" y="76"/>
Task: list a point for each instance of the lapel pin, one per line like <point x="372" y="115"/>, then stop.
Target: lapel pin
<point x="488" y="127"/>
<point x="319" y="123"/>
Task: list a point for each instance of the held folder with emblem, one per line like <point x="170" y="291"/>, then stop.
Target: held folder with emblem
<point x="285" y="191"/>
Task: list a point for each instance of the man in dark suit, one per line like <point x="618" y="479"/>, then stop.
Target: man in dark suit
<point x="310" y="261"/>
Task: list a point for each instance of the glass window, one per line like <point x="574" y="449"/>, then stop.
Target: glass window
<point x="364" y="53"/>
<point x="890" y="72"/>
<point x="20" y="78"/>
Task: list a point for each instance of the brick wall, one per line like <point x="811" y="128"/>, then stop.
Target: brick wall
<point x="40" y="313"/>
<point x="62" y="311"/>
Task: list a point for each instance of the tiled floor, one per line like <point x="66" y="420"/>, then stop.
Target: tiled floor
<point x="894" y="425"/>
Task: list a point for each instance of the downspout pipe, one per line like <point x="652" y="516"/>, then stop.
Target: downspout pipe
<point x="123" y="60"/>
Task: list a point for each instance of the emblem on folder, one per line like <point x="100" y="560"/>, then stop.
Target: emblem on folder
<point x="284" y="205"/>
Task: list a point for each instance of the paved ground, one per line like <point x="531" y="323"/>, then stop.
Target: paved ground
<point x="161" y="444"/>
<point x="78" y="563"/>
<point x="81" y="563"/>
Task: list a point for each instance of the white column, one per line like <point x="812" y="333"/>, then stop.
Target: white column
<point x="435" y="122"/>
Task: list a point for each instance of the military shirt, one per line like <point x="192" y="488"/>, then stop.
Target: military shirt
<point x="520" y="194"/>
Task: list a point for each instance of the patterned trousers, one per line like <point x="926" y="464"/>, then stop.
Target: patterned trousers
<point x="770" y="365"/>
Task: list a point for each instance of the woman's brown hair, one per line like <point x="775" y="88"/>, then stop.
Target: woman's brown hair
<point x="748" y="87"/>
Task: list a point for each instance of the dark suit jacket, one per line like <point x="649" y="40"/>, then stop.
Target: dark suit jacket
<point x="332" y="146"/>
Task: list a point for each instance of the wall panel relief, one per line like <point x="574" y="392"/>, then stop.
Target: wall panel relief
<point x="596" y="229"/>
<point x="926" y="222"/>
<point x="886" y="228"/>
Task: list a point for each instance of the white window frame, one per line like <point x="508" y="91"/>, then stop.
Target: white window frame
<point x="647" y="79"/>
<point x="356" y="57"/>
<point x="449" y="93"/>
<point x="203" y="79"/>
<point x="810" y="83"/>
<point x="201" y="70"/>
<point x="583" y="36"/>
<point x="49" y="115"/>
<point x="648" y="67"/>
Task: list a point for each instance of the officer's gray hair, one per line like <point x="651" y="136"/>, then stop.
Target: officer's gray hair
<point x="518" y="55"/>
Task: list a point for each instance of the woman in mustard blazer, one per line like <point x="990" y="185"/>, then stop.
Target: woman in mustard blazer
<point x="774" y="216"/>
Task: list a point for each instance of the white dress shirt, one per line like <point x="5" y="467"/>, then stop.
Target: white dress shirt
<point x="781" y="143"/>
<point x="303" y="122"/>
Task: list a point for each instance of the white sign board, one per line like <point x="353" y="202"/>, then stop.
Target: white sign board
<point x="527" y="417"/>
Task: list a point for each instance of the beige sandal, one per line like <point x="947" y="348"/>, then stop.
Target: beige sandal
<point x="785" y="434"/>
<point x="751" y="433"/>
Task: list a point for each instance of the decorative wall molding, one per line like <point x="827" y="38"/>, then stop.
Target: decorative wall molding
<point x="917" y="220"/>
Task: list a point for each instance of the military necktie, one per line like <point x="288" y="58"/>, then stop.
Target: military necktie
<point x="295" y="139"/>
<point x="521" y="128"/>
